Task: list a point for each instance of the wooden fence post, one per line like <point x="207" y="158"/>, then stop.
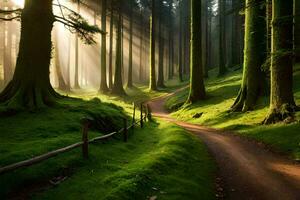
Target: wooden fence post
<point x="149" y="115"/>
<point x="142" y="122"/>
<point x="125" y="133"/>
<point x="133" y="118"/>
<point x="85" y="140"/>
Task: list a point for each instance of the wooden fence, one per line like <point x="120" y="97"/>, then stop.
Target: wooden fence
<point x="145" y="114"/>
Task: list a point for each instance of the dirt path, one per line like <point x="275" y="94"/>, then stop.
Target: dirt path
<point x="248" y="170"/>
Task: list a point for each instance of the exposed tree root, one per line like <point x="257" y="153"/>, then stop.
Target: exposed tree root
<point x="18" y="96"/>
<point x="286" y="113"/>
<point x="244" y="102"/>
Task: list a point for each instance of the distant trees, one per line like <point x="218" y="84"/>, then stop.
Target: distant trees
<point x="197" y="90"/>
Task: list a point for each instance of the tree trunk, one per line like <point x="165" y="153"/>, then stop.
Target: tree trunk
<point x="76" y="79"/>
<point x="103" y="83"/>
<point x="171" y="41"/>
<point x="297" y="29"/>
<point x="222" y="46"/>
<point x="129" y="81"/>
<point x="61" y="81"/>
<point x="160" y="81"/>
<point x="7" y="64"/>
<point x="180" y="60"/>
<point x="111" y="47"/>
<point x="118" y="83"/>
<point x="30" y="86"/>
<point x="152" y="48"/>
<point x="254" y="57"/>
<point x="141" y="46"/>
<point x="197" y="89"/>
<point x="282" y="104"/>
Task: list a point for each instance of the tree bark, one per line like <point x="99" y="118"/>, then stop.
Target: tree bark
<point x="282" y="104"/>
<point x="118" y="82"/>
<point x="254" y="57"/>
<point x="297" y="29"/>
<point x="222" y="46"/>
<point x="129" y="80"/>
<point x="76" y="79"/>
<point x="152" y="85"/>
<point x="103" y="83"/>
<point x="197" y="89"/>
<point x="111" y="47"/>
<point x="30" y="86"/>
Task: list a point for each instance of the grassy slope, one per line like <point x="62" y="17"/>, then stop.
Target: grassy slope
<point x="222" y="93"/>
<point x="115" y="170"/>
<point x="167" y="163"/>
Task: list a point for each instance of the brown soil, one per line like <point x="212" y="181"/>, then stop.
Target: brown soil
<point x="248" y="170"/>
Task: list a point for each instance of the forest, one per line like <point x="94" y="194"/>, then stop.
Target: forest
<point x="150" y="99"/>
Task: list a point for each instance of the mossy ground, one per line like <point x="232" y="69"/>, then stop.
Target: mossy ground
<point x="160" y="160"/>
<point x="222" y="92"/>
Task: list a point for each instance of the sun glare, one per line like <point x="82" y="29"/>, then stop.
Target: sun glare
<point x="19" y="3"/>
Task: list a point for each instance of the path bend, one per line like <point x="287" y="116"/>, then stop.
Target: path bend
<point x="249" y="171"/>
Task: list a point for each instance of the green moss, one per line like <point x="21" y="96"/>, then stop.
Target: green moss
<point x="222" y="92"/>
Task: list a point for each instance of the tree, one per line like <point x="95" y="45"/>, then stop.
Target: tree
<point x="152" y="84"/>
<point x="111" y="46"/>
<point x="161" y="42"/>
<point x="171" y="39"/>
<point x="222" y="44"/>
<point x="297" y="29"/>
<point x="282" y="104"/>
<point x="197" y="89"/>
<point x="103" y="83"/>
<point x="76" y="78"/>
<point x="30" y="86"/>
<point x="118" y="82"/>
<point x="180" y="48"/>
<point x="129" y="81"/>
<point x="254" y="57"/>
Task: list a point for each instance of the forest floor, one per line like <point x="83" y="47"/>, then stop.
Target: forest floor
<point x="159" y="161"/>
<point x="214" y="112"/>
<point x="248" y="171"/>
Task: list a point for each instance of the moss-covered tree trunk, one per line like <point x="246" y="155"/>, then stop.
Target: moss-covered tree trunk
<point x="129" y="80"/>
<point x="111" y="47"/>
<point x="282" y="104"/>
<point x="31" y="86"/>
<point x="197" y="89"/>
<point x="103" y="82"/>
<point x="161" y="43"/>
<point x="118" y="82"/>
<point x="152" y="85"/>
<point x="254" y="57"/>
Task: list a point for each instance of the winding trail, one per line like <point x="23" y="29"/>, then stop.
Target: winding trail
<point x="248" y="170"/>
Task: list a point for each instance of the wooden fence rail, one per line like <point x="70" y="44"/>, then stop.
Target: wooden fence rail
<point x="85" y="142"/>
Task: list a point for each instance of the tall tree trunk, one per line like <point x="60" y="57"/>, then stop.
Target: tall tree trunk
<point x="297" y="29"/>
<point x="129" y="80"/>
<point x="206" y="39"/>
<point x="152" y="85"/>
<point x="282" y="104"/>
<point x="30" y="86"/>
<point x="171" y="41"/>
<point x="197" y="89"/>
<point x="160" y="80"/>
<point x="118" y="82"/>
<point x="111" y="47"/>
<point x="76" y="79"/>
<point x="268" y="24"/>
<point x="180" y="47"/>
<point x="61" y="81"/>
<point x="103" y="83"/>
<point x="222" y="46"/>
<point x="254" y="57"/>
<point x="141" y="46"/>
